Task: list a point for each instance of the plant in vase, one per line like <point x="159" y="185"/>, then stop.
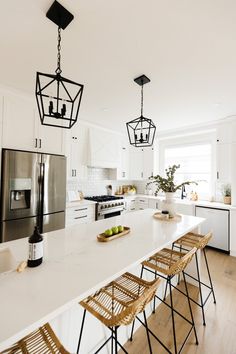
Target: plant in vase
<point x="169" y="187"/>
<point x="226" y="191"/>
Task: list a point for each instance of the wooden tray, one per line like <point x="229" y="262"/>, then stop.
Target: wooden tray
<point x="159" y="216"/>
<point x="103" y="238"/>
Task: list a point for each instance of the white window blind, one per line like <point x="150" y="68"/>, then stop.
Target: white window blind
<point x="195" y="165"/>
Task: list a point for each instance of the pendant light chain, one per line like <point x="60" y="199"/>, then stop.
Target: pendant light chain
<point x="142" y="101"/>
<point x="58" y="70"/>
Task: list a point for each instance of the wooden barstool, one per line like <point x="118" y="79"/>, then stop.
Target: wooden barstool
<point x="118" y="304"/>
<point x="168" y="263"/>
<point x="198" y="241"/>
<point x="41" y="341"/>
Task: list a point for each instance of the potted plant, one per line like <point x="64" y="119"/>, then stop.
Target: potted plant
<point x="227" y="193"/>
<point x="168" y="186"/>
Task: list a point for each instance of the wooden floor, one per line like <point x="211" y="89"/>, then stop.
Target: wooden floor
<point x="219" y="334"/>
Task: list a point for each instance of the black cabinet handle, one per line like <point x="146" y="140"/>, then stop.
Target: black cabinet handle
<point x="40" y="143"/>
<point x="81" y="209"/>
<point x="36" y="143"/>
<point x="80" y="217"/>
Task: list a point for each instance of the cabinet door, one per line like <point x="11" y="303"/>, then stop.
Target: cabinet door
<point x="136" y="164"/>
<point x="153" y="203"/>
<point x="50" y="139"/>
<point x="223" y="160"/>
<point x="79" y="151"/>
<point x="148" y="162"/>
<point x="18" y="123"/>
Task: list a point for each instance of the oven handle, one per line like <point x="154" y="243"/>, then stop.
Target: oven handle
<point x="110" y="211"/>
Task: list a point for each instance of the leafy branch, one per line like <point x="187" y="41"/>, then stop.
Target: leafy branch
<point x="167" y="184"/>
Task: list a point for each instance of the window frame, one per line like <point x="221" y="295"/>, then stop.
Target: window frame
<point x="191" y="140"/>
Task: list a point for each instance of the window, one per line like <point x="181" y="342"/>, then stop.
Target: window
<point x="195" y="165"/>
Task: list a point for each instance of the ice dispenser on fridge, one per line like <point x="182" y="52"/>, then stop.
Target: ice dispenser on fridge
<point x="20" y="193"/>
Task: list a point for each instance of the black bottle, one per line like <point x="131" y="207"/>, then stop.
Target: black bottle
<point x="35" y="249"/>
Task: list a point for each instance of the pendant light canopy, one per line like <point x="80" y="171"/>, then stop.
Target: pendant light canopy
<point x="58" y="98"/>
<point x="141" y="131"/>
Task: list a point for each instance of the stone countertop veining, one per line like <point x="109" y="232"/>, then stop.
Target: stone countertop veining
<point x="75" y="265"/>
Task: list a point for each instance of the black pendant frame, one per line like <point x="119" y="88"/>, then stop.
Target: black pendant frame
<point x="58" y="98"/>
<point x="57" y="119"/>
<point x="141" y="130"/>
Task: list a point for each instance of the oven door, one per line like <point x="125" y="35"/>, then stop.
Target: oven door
<point x="108" y="215"/>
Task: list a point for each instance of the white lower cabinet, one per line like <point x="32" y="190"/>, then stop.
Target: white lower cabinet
<point x="80" y="215"/>
<point x="153" y="203"/>
<point x="185" y="209"/>
<point x="129" y="204"/>
<point x="141" y="203"/>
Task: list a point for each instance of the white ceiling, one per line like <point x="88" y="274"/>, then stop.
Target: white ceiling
<point x="186" y="47"/>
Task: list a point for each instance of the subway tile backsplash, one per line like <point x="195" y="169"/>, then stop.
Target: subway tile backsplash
<point x="97" y="180"/>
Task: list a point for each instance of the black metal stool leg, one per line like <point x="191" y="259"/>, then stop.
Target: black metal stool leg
<point x="116" y="343"/>
<point x="172" y="314"/>
<point x="148" y="335"/>
<point x="112" y="342"/>
<point x="164" y="298"/>
<point x="209" y="275"/>
<point x="200" y="290"/>
<point x="190" y="308"/>
<point x="81" y="331"/>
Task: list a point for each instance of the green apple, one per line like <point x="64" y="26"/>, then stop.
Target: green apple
<point x="120" y="228"/>
<point x="115" y="230"/>
<point x="108" y="232"/>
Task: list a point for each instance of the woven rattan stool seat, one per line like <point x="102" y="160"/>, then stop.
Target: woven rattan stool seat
<point x="120" y="301"/>
<point x="169" y="262"/>
<point x="194" y="240"/>
<point x="41" y="341"/>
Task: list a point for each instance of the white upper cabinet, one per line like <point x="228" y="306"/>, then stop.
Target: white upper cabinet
<point x="50" y="139"/>
<point x="136" y="163"/>
<point x="18" y="123"/>
<point x="104" y="148"/>
<point x="22" y="129"/>
<point x="142" y="163"/>
<point x="77" y="150"/>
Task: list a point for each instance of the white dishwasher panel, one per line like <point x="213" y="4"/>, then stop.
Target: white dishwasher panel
<point x="217" y="221"/>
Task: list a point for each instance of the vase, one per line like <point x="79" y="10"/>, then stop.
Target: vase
<point x="169" y="203"/>
<point x="227" y="200"/>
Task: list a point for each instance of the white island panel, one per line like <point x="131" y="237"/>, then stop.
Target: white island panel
<point x="75" y="265"/>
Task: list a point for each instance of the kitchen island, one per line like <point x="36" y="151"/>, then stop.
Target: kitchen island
<point x="75" y="265"/>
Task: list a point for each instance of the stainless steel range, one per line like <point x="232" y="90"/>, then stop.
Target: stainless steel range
<point x="107" y="206"/>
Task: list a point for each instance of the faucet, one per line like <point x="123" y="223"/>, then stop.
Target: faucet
<point x="183" y="192"/>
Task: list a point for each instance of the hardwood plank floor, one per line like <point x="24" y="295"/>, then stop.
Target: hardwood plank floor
<point x="219" y="334"/>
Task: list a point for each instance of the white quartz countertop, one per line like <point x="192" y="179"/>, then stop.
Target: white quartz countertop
<point x="75" y="265"/>
<point x="80" y="203"/>
<point x="205" y="203"/>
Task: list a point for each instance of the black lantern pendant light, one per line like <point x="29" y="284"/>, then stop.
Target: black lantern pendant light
<point x="58" y="98"/>
<point x="141" y="131"/>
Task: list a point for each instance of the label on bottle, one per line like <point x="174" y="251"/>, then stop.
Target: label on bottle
<point x="35" y="251"/>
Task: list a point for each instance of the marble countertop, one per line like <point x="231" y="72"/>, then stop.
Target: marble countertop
<point x="75" y="265"/>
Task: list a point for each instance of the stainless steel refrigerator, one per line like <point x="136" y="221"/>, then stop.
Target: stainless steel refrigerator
<point x="33" y="192"/>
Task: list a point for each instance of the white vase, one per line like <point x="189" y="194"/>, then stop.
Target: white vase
<point x="169" y="203"/>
